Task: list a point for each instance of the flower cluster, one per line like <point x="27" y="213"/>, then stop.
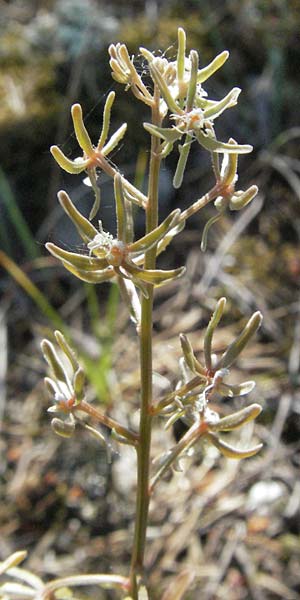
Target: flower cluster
<point x="192" y="112"/>
<point x="94" y="157"/>
<point x="110" y="257"/>
<point x="66" y="384"/>
<point x="199" y="383"/>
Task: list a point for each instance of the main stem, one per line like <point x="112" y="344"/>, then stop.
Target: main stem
<point x="143" y="449"/>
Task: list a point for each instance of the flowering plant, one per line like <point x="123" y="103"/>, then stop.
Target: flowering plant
<point x="181" y="114"/>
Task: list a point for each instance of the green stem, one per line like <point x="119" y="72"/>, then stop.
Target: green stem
<point x="186" y="442"/>
<point x="143" y="450"/>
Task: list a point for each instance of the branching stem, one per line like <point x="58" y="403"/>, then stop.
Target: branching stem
<point x="143" y="450"/>
<point x="108" y="422"/>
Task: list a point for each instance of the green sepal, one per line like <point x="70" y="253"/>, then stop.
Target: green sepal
<point x="166" y="240"/>
<point x="106" y="119"/>
<point x="164" y="90"/>
<point x="78" y="384"/>
<point x="193" y="364"/>
<point x="241" y="199"/>
<point x="67" y="350"/>
<point x="231" y="452"/>
<point x="155" y="276"/>
<point x="71" y="166"/>
<point x="181" y="57"/>
<point x="150" y="239"/>
<point x="85" y="229"/>
<point x="81" y="133"/>
<point x="54" y="362"/>
<point x="237" y="419"/>
<point x="13" y="561"/>
<point x="230" y="172"/>
<point x="166" y="149"/>
<point x="236" y="390"/>
<point x="91" y="173"/>
<point x="184" y="151"/>
<point x="114" y="140"/>
<point x="209" y="70"/>
<point x="213" y="323"/>
<point x="51" y="387"/>
<point x="236" y="347"/>
<point x="79" y="261"/>
<point x="90" y="276"/>
<point x="169" y="134"/>
<point x="120" y="207"/>
<point x="206" y="229"/>
<point x="192" y="87"/>
<point x="124" y="273"/>
<point x="228" y="101"/>
<point x="213" y="145"/>
<point x="187" y="351"/>
<point x="64" y="429"/>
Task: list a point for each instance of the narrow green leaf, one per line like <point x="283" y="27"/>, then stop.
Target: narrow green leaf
<point x="30" y="288"/>
<point x="16" y="218"/>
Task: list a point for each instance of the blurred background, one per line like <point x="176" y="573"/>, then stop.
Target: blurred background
<point x="236" y="524"/>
